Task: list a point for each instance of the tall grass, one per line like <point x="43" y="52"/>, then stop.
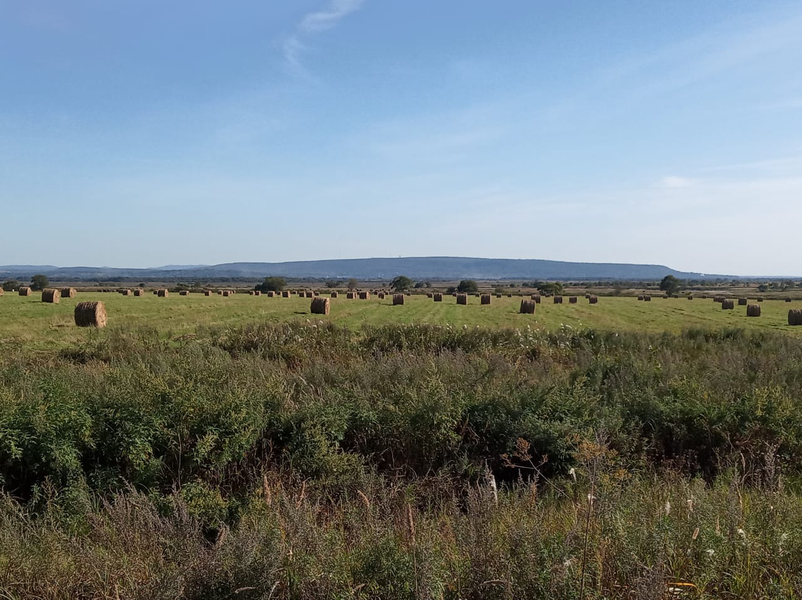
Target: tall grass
<point x="306" y="461"/>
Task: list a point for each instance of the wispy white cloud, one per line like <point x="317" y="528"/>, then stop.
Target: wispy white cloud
<point x="673" y="182"/>
<point x="293" y="47"/>
<point x="326" y="19"/>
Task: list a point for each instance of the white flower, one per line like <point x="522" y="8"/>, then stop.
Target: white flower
<point x="710" y="552"/>
<point x="572" y="473"/>
<point x="742" y="533"/>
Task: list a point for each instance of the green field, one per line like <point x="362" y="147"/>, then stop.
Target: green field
<point x="30" y="322"/>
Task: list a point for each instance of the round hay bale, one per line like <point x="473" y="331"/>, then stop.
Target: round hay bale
<point x="127" y="292"/>
<point x="257" y="293"/>
<point x="183" y="293"/>
<point x="558" y="299"/>
<point x="788" y="300"/>
<point x="647" y="298"/>
<point x="437" y="297"/>
<point x="334" y="294"/>
<point x="690" y="297"/>
<point x="156" y="292"/>
<point x="429" y="294"/>
<point x="485" y="299"/>
<point x="350" y="295"/>
<point x="593" y="299"/>
<point x="509" y="295"/>
<point x="760" y="299"/>
<point x="528" y="306"/>
<point x="51" y="296"/>
<point x="251" y="293"/>
<point x="90" y="314"/>
<point x="718" y="299"/>
<point x="398" y="299"/>
<point x="316" y="294"/>
<point x="271" y="294"/>
<point x="207" y="292"/>
<point x="753" y="310"/>
<point x="226" y="293"/>
<point x="68" y="292"/>
<point x="742" y="302"/>
<point x="795" y="317"/>
<point x="219" y="292"/>
<point x="139" y="292"/>
<point x="573" y="300"/>
<point x="462" y="299"/>
<point x="285" y="294"/>
<point x="164" y="293"/>
<point x="641" y="297"/>
<point x="320" y="306"/>
<point x="728" y="304"/>
<point x="25" y="291"/>
<point x="382" y="295"/>
<point x="310" y="294"/>
<point x="364" y="295"/>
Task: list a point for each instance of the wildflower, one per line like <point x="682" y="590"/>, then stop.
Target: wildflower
<point x="572" y="473"/>
<point x="710" y="552"/>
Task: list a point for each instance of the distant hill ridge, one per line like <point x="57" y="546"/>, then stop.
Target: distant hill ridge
<point x="429" y="267"/>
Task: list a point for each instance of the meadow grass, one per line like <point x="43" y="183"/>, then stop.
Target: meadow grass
<point x="26" y="321"/>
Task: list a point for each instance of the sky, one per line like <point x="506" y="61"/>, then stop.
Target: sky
<point x="140" y="133"/>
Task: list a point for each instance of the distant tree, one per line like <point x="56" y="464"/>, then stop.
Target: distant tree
<point x="331" y="284"/>
<point x="450" y="289"/>
<point x="10" y="285"/>
<point x="468" y="286"/>
<point x="401" y="283"/>
<point x="39" y="282"/>
<point x="499" y="290"/>
<point x="551" y="288"/>
<point x="670" y="285"/>
<point x="419" y="285"/>
<point x="272" y="284"/>
<point x="352" y="284"/>
<point x="762" y="288"/>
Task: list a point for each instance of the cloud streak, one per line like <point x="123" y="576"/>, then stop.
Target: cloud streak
<point x="293" y="47"/>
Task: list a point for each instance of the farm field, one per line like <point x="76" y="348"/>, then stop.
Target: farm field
<point x="27" y="321"/>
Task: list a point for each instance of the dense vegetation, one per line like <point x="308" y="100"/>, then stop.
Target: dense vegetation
<point x="313" y="461"/>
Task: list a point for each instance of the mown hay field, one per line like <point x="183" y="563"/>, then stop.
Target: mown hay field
<point x="29" y="322"/>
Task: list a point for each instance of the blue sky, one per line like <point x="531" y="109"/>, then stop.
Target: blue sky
<point x="149" y="132"/>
